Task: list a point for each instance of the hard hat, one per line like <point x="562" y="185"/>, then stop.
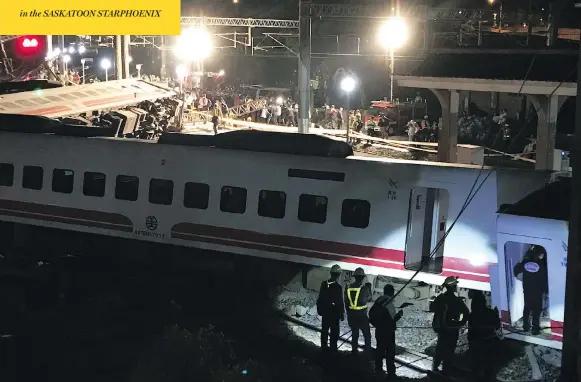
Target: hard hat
<point x="359" y="272"/>
<point x="450" y="281"/>
<point x="335" y="269"/>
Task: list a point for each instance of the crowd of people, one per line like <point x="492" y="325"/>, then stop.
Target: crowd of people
<point x="280" y="111"/>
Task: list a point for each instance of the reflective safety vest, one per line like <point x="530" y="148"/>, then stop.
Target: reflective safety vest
<point x="353" y="301"/>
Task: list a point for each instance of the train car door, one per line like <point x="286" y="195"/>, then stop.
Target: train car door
<point x="515" y="247"/>
<point x="428" y="211"/>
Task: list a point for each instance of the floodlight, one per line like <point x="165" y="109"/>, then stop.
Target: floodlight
<point x="393" y="34"/>
<point x="193" y="44"/>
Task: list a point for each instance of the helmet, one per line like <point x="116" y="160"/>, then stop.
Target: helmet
<point x="450" y="281"/>
<point x="335" y="269"/>
<point x="359" y="272"/>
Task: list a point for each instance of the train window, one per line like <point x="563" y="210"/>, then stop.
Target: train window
<point x="316" y="175"/>
<point x="6" y="174"/>
<point x="355" y="213"/>
<point x="24" y="102"/>
<point x="32" y="177"/>
<point x="312" y="208"/>
<point x="8" y="105"/>
<point x="94" y="184"/>
<point x="196" y="195"/>
<point x="63" y="180"/>
<point x="272" y="204"/>
<point x="233" y="200"/>
<point x="126" y="187"/>
<point x="161" y="191"/>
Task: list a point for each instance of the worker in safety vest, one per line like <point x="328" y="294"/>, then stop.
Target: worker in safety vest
<point x="357" y="295"/>
<point x="330" y="307"/>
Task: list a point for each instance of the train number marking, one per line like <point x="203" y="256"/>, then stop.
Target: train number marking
<point x="151" y="223"/>
<point x="565" y="248"/>
<point x="391" y="195"/>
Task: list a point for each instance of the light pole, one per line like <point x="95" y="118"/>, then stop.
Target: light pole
<point x="392" y="36"/>
<point x="348" y="85"/>
<point x="194" y="45"/>
<point x="491" y="2"/>
<point x="182" y="72"/>
<point x="83" y="60"/>
<point x="106" y="64"/>
<point x="66" y="60"/>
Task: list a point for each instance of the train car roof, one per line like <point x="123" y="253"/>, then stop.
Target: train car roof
<point x="419" y="162"/>
<point x="550" y="202"/>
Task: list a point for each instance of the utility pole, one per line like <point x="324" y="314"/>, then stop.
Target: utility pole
<point x="571" y="361"/>
<point x="304" y="73"/>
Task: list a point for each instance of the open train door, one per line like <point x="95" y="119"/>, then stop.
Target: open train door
<point x="515" y="236"/>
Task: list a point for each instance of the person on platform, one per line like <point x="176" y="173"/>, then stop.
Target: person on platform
<point x="450" y="314"/>
<point x="357" y="296"/>
<point x="330" y="307"/>
<point x="533" y="272"/>
<point x="383" y="317"/>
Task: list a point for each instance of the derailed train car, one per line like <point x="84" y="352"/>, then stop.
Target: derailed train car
<point x="291" y="203"/>
<point x="539" y="219"/>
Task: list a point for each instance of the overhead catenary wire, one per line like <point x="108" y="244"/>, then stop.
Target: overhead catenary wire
<point x="471" y="194"/>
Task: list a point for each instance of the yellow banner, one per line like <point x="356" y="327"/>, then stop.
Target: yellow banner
<point x="90" y="17"/>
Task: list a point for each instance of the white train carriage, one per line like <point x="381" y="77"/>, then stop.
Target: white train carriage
<point x="541" y="218"/>
<point x="383" y="215"/>
<point x="74" y="100"/>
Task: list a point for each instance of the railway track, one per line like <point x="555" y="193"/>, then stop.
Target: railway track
<point x="417" y="362"/>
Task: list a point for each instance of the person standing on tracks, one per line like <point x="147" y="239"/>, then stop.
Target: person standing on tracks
<point x="534" y="278"/>
<point x="330" y="308"/>
<point x="383" y="317"/>
<point x="483" y="325"/>
<point x="450" y="314"/>
<point x="357" y="295"/>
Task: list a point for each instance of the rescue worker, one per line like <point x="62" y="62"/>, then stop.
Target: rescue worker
<point x="357" y="295"/>
<point x="482" y="338"/>
<point x="330" y="307"/>
<point x="216" y="119"/>
<point x="534" y="278"/>
<point x="450" y="314"/>
<point x="382" y="315"/>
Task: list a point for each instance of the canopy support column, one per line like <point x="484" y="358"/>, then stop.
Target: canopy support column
<point x="448" y="134"/>
<point x="547" y="111"/>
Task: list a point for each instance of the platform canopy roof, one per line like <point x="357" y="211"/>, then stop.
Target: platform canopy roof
<point x="540" y="74"/>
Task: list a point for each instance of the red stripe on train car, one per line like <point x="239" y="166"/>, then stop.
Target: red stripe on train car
<point x="48" y="110"/>
<point x="556" y="327"/>
<point x="328" y="250"/>
<point x="108" y="100"/>
<point x="88" y="218"/>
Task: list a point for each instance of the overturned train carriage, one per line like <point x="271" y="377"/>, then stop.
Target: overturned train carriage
<point x="540" y="219"/>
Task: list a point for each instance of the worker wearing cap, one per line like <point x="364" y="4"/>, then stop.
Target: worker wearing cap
<point x="330" y="308"/>
<point x="357" y="295"/>
<point x="450" y="314"/>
